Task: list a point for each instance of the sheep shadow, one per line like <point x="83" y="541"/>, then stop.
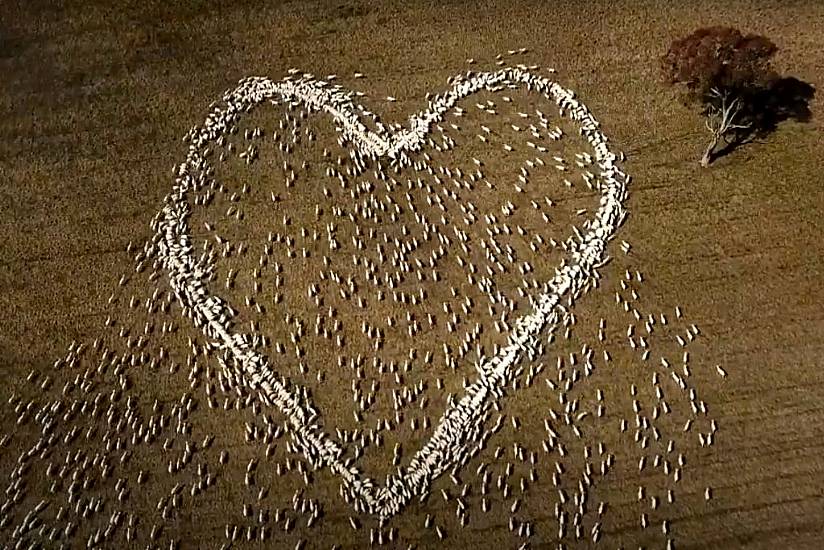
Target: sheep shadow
<point x="786" y="98"/>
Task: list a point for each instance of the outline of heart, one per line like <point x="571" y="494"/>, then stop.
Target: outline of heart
<point x="460" y="426"/>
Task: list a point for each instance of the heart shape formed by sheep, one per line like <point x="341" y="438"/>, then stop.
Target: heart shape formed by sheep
<point x="459" y="432"/>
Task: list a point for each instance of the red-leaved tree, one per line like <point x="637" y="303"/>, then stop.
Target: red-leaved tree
<point x="729" y="75"/>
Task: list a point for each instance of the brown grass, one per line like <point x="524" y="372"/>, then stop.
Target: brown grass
<point x="95" y="99"/>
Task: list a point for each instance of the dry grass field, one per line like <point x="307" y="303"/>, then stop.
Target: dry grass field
<point x="96" y="97"/>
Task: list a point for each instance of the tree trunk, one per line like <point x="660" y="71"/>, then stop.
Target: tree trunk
<point x="707" y="158"/>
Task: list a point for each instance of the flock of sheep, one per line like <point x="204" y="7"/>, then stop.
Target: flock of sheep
<point x="498" y="257"/>
<point x="459" y="429"/>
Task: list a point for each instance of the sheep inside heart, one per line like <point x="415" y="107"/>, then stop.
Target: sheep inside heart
<point x="410" y="271"/>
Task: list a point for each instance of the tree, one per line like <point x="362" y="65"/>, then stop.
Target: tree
<point x="730" y="76"/>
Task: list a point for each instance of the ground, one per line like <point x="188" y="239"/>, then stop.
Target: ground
<point x="97" y="97"/>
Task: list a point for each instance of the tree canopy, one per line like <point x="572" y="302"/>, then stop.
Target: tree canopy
<point x="720" y="58"/>
<point x="730" y="75"/>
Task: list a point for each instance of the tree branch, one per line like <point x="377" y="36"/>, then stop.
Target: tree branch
<point x="728" y="115"/>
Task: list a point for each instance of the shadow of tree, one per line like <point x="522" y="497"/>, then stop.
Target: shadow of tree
<point x="786" y="98"/>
